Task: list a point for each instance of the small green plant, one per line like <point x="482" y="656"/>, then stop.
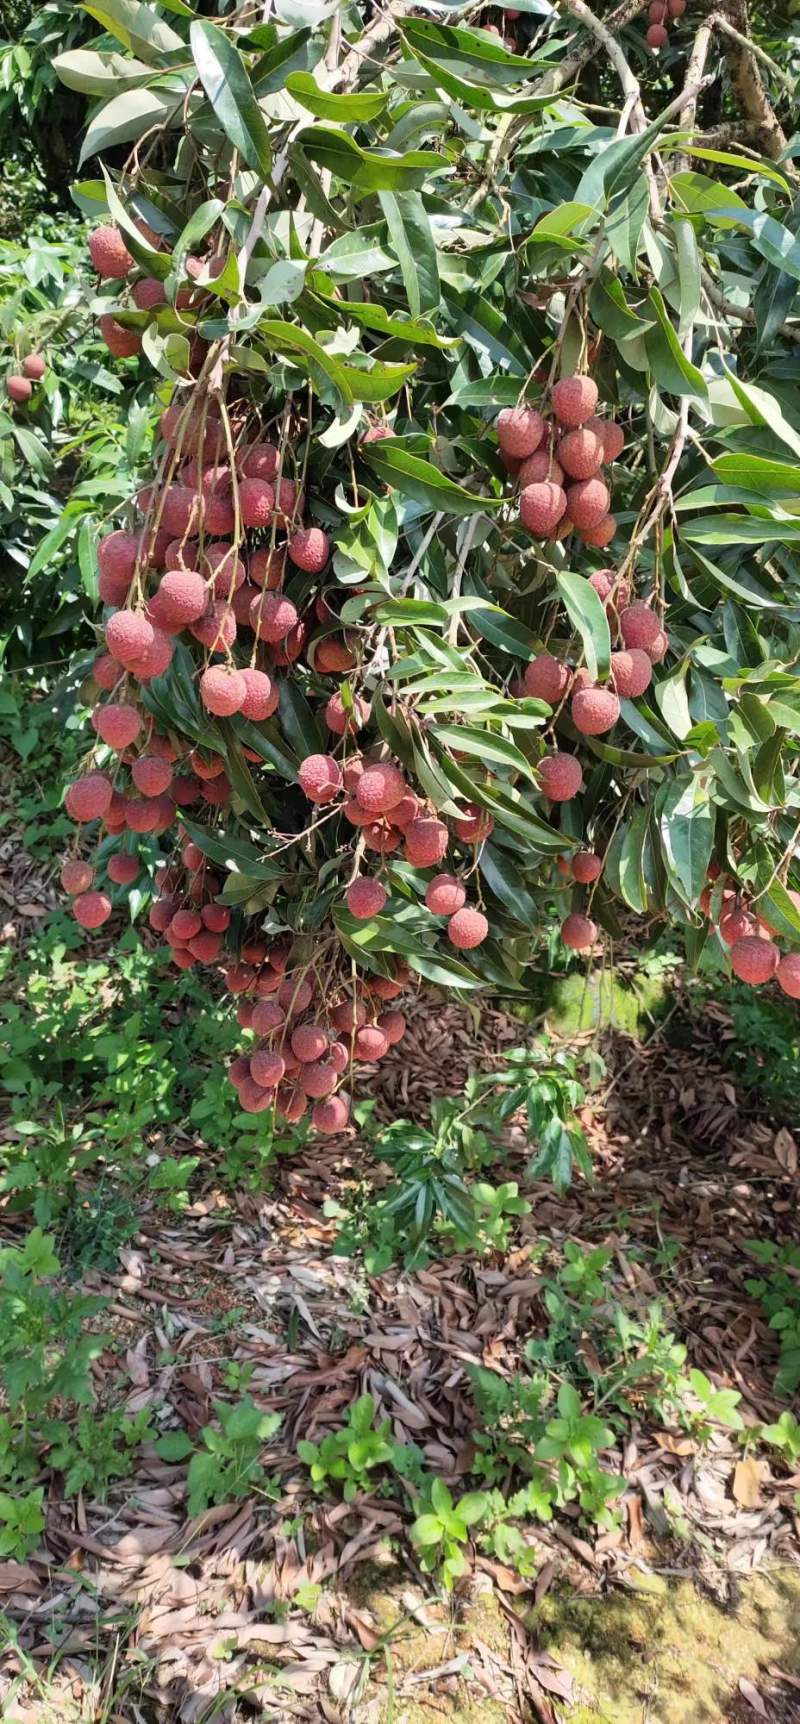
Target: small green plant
<point x="92" y="1451"/>
<point x="22" y="1522"/>
<point x="349" y="1455"/>
<point x="228" y="1464"/>
<point x="718" y="1406"/>
<point x="45" y="1349"/>
<point x="443" y="1529"/>
<point x="784" y="1435"/>
<point x="171" y="1179"/>
<point x="778" y="1291"/>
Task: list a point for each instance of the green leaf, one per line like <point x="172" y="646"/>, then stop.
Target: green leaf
<point x="368" y="170"/>
<point x="356" y="255"/>
<point x="686" y="825"/>
<point x="411" y="236"/>
<point x="328" y="105"/>
<point x="138" y="27"/>
<point x="485" y="745"/>
<point x="174" y="1446"/>
<point x="770" y="237"/>
<point x="127" y="117"/>
<point x="780" y="912"/>
<point x="668" y="362"/>
<point x="226" y="82"/>
<point x="506" y="882"/>
<point x="587" y="614"/>
<point x="231" y="850"/>
<point x="422" y="481"/>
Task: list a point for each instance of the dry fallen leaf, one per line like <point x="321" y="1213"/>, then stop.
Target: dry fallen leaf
<point x="750" y="1693"/>
<point x="747" y="1478"/>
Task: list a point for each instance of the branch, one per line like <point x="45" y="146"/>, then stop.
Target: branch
<point x="694" y="72"/>
<point x="742" y="313"/>
<point x="746" y="81"/>
<point x="720" y="22"/>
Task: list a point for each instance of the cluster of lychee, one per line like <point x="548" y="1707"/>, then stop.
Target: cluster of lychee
<point x="660" y="13"/>
<point x="561" y="464"/>
<point x="745" y="929"/>
<point x="20" y="384"/>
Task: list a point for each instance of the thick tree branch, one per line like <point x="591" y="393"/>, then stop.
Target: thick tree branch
<point x="746" y="79"/>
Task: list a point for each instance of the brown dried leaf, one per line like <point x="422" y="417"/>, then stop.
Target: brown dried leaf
<point x="747" y="1477"/>
<point x="750" y="1693"/>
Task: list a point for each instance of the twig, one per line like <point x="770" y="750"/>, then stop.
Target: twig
<point x="718" y="21"/>
<point x="694" y="72"/>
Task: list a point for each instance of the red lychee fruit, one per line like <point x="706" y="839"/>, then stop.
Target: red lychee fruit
<point x="348" y="1016"/>
<point x="254" y="1099"/>
<point x="519" y="431"/>
<point x="148" y="293"/>
<point x="18" y="389"/>
<point x="266" y="1068"/>
<point x="331" y="1115"/>
<point x="109" y="253"/>
<point x="216" y="628"/>
<point x="676" y="8"/>
<point x="34" y="367"/>
<point x="386" y="987"/>
<point x="320" y="777"/>
<point x="223" y="690"/>
<point x="289" y="502"/>
<point x="365" y="898"/>
<point x="380" y="788"/>
<point x="578" y="932"/>
<point x="656" y="36"/>
<point x="594" y="710"/>
<point x="141" y="814"/>
<point x="266" y="567"/>
<point x="318" y="1079"/>
<point x="182" y="598"/>
<point x="262" y="695"/>
<point x="241" y="605"/>
<point x="273" y="616"/>
<point x="541" y="465"/>
<point x="182" y="554"/>
<point x="106" y="672"/>
<point x="309" y="549"/>
<point x="76" y="875"/>
<point x="180" y="510"/>
<point x="256" y="502"/>
<point x="587" y="503"/>
<point x="128" y="636"/>
<point x="393" y="1025"/>
<point x="602" y="534"/>
<point x="474" y="825"/>
<point x="123" y="869"/>
<point x="332" y="655"/>
<point x="371" y="1043"/>
<point x="376" y="433"/>
<point x="89" y="798"/>
<point x="206" y="947"/>
<point x="581" y="454"/>
<point x="631" y="672"/>
<point x="787" y="975"/>
<point x="754" y="959"/>
<point x="151" y="775"/>
<point x="339" y="1057"/>
<point x="603" y="582"/>
<point x="546" y="678"/>
<point x="560" y="777"/>
<point x="344" y="721"/>
<point x="445" y="895"/>
<point x="657" y="11"/>
<point x="541" y="508"/>
<point x="267" y="1017"/>
<point x="658" y="648"/>
<point x="611" y="435"/>
<point x="467" y="928"/>
<point x="736" y="924"/>
<point x="260" y="461"/>
<point x="574" y="400"/>
<point x="587" y="866"/>
<point x="639" y="625"/>
<point x="309" y="1042"/>
<point x="121" y="343"/>
<point x="117" y="725"/>
<point x="116" y="561"/>
<point x="156" y="658"/>
<point x="227" y="570"/>
<point x="217" y="918"/>
<point x="91" y="909"/>
<point x="404" y="811"/>
<point x="425" y="842"/>
<point x="295" y="995"/>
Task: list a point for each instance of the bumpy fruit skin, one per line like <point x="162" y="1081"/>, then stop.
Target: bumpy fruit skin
<point x="574" y="400"/>
<point x="182" y="597"/>
<point x="223" y="690"/>
<point x="262" y="696"/>
<point x="639" y="625"/>
<point x="320" y="777"/>
<point x="155" y="659"/>
<point x="541" y="465"/>
<point x="603" y="581"/>
<point x="393" y="1025"/>
<point x="578" y="932"/>
<point x="560" y="777"/>
<point x="541" y="508"/>
<point x="106" y="672"/>
<point x="657" y="11"/>
<point x="787" y="975"/>
<point x="467" y="928"/>
<point x="266" y="1068"/>
<point x="581" y="453"/>
<point x="594" y="710"/>
<point x="380" y="788"/>
<point x="332" y="656"/>
<point x="34" y="366"/>
<point x="18" y="389"/>
<point x="611" y="435"/>
<point x="123" y="869"/>
<point x="754" y="960"/>
<point x="425" y="842"/>
<point x="89" y="798"/>
<point x="256" y="502"/>
<point x="676" y="8"/>
<point x="109" y="253"/>
<point x="631" y="672"/>
<point x="365" y="897"/>
<point x="331" y="1115"/>
<point x="273" y="616"/>
<point x="602" y="534"/>
<point x="546" y="678"/>
<point x="121" y="343"/>
<point x="658" y="648"/>
<point x="586" y="867"/>
<point x="309" y="549"/>
<point x="260" y="461"/>
<point x="76" y="876"/>
<point x="91" y="909"/>
<point x="128" y="636"/>
<point x="519" y="431"/>
<point x="343" y="721"/>
<point x="116" y="724"/>
<point x="587" y="503"/>
<point x="657" y="36"/>
<point x="216" y="628"/>
<point x="445" y="895"/>
<point x="736" y="924"/>
<point x="473" y="826"/>
<point x="371" y="1043"/>
<point x="151" y="775"/>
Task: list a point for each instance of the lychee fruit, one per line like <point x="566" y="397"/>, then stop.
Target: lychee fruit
<point x="546" y="678"/>
<point x="587" y="866"/>
<point x="787" y="975"/>
<point x="309" y="1042"/>
<point x="121" y="343"/>
<point x="91" y="909"/>
<point x="656" y="36"/>
<point x="223" y="690"/>
<point x="155" y="659"/>
<point x="331" y="1115"/>
<point x="109" y="253"/>
<point x="18" y="389"/>
<point x="658" y="648"/>
<point x="560" y="777"/>
<point x="581" y="454"/>
<point x="603" y="582"/>
<point x="216" y="628"/>
<point x="117" y="725"/>
<point x="657" y="11"/>
<point x="404" y="811"/>
<point x="425" y="842"/>
<point x="602" y="534"/>
<point x="754" y="959"/>
<point x="266" y="1068"/>
<point x="151" y="775"/>
<point x="260" y="461"/>
<point x="254" y="1099"/>
<point x="371" y="1043"/>
<point x="76" y="875"/>
<point x="578" y="932"/>
<point x="123" y="869"/>
<point x="262" y="695"/>
<point x="182" y="598"/>
<point x="380" y="788"/>
<point x="34" y="366"/>
<point x="445" y="895"/>
<point x="309" y="549"/>
<point x="273" y="616"/>
<point x="332" y="656"/>
<point x="288" y="502"/>
<point x="587" y="503"/>
<point x="676" y="8"/>
<point x="320" y="777"/>
<point x="474" y="825"/>
<point x="267" y="1017"/>
<point x="217" y="918"/>
<point x="294" y="994"/>
<point x="89" y="798"/>
<point x="541" y="507"/>
<point x="639" y="625"/>
<point x="106" y="672"/>
<point x="736" y="924"/>
<point x="256" y="502"/>
<point x="228" y="572"/>
<point x="266" y="567"/>
<point x="574" y="400"/>
<point x="594" y="710"/>
<point x="393" y="1025"/>
<point x="348" y="1016"/>
<point x="541" y="465"/>
<point x="365" y="898"/>
<point x="342" y="720"/>
<point x="129" y="636"/>
<point x="467" y="928"/>
<point x="519" y="431"/>
<point x="631" y="672"/>
<point x="611" y="435"/>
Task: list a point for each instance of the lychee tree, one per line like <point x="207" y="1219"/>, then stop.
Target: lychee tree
<point x="464" y="568"/>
